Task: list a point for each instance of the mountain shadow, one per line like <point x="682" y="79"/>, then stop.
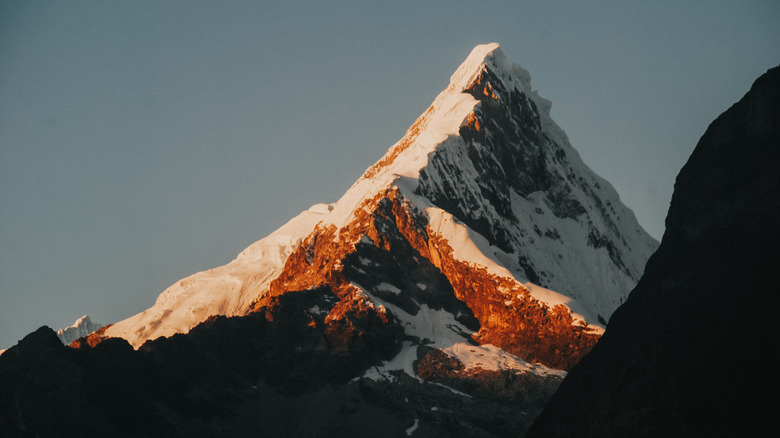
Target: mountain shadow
<point x="694" y="350"/>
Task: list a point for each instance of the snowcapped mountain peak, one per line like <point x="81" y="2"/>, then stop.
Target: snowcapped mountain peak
<point x="82" y="327"/>
<point x="485" y="74"/>
<point x="481" y="219"/>
<point x="489" y="57"/>
<point x="465" y="74"/>
<point x="82" y="320"/>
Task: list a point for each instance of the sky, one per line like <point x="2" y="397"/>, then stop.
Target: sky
<point x="141" y="142"/>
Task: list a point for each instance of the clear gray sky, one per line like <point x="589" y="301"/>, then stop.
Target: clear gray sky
<point x="143" y="141"/>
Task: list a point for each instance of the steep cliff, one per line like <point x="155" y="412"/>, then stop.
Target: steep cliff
<point x="693" y="351"/>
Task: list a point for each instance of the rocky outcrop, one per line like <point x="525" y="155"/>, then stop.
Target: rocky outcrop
<point x="693" y="352"/>
<point x="390" y="252"/>
<point x="91" y="339"/>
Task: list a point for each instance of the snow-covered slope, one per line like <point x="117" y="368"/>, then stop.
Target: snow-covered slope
<point x="485" y="190"/>
<point x="226" y="290"/>
<point x="82" y="327"/>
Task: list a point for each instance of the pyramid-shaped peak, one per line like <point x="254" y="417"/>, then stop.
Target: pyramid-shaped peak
<point x="489" y="57"/>
<point x="482" y="51"/>
<point x="486" y="169"/>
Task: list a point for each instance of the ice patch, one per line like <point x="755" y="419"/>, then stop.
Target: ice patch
<point x="411" y="430"/>
<point x="387" y="287"/>
<point x="317" y="311"/>
<point x="452" y="390"/>
<point x="491" y="358"/>
<point x="403" y="361"/>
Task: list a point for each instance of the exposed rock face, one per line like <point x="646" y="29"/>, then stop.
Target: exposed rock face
<point x="512" y="176"/>
<point x="390" y="254"/>
<point x="694" y="350"/>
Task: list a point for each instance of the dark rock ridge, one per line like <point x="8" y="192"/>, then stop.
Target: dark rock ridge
<point x="282" y="371"/>
<point x="694" y="350"/>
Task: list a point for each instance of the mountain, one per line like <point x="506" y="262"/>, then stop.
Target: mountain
<point x="449" y="289"/>
<point x="485" y="189"/>
<point x="82" y="327"/>
<point x="693" y="351"/>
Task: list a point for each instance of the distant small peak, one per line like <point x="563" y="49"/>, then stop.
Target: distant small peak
<point x="44" y="336"/>
<point x="83" y="319"/>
